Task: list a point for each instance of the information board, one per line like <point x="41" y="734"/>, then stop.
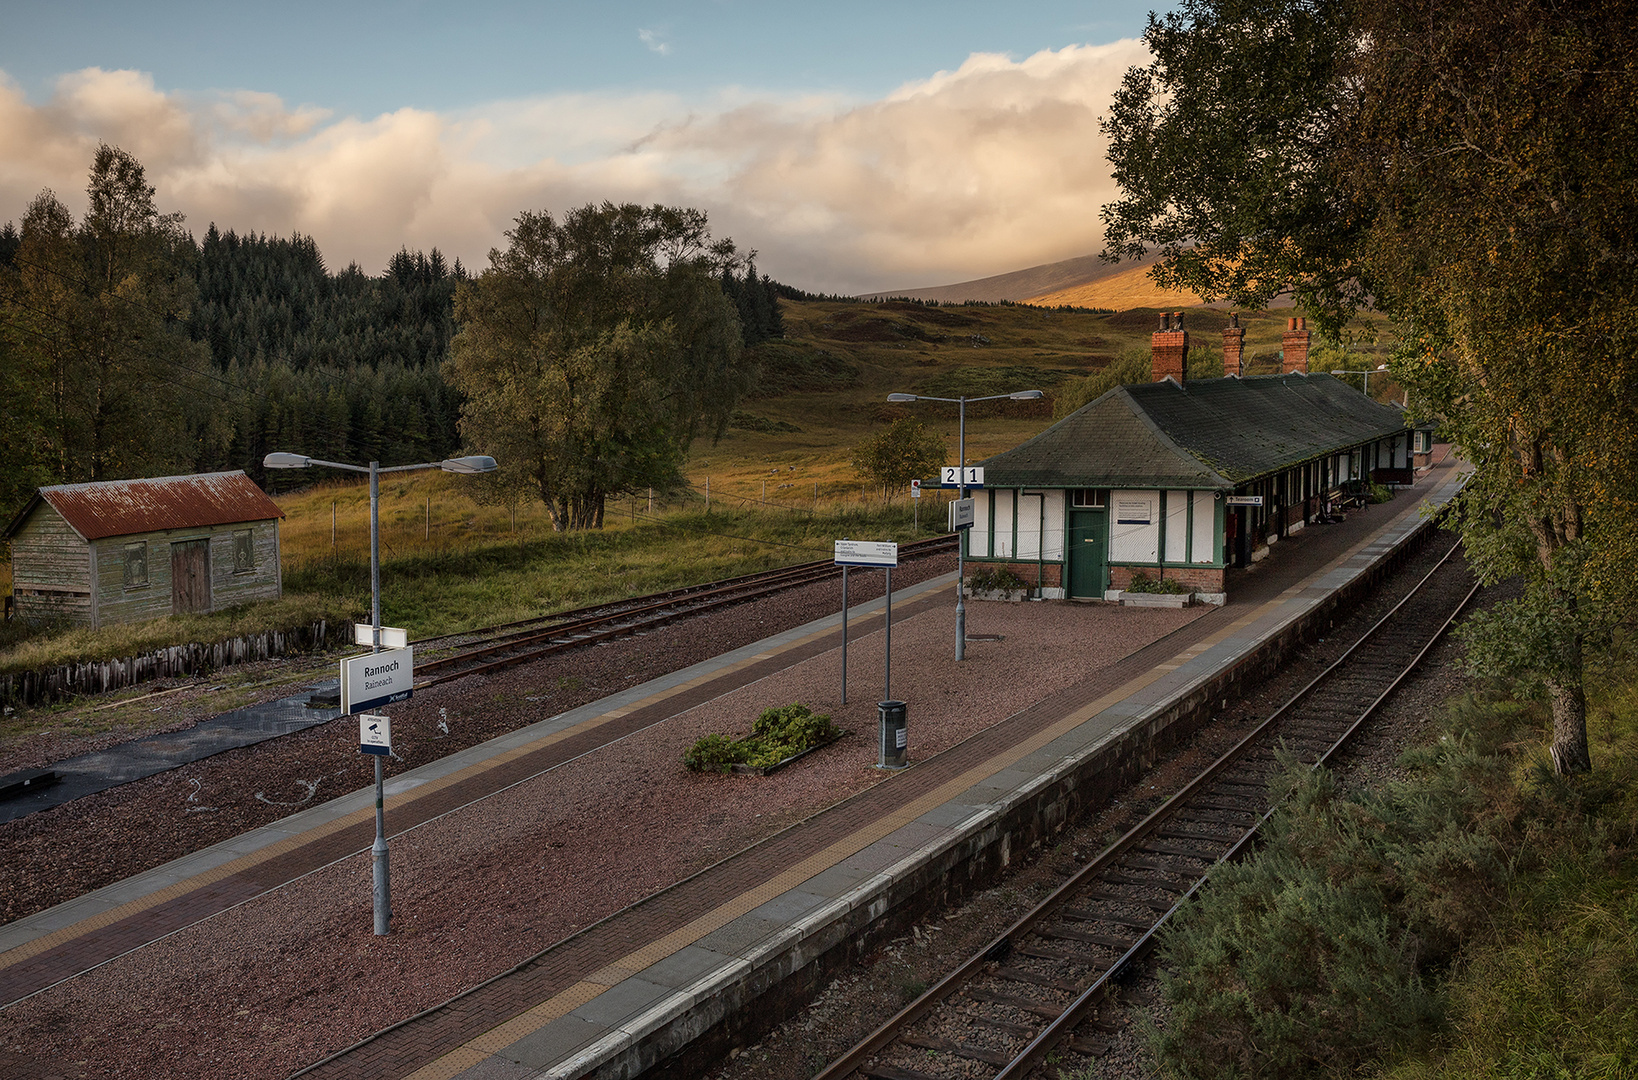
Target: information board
<point x="866" y="553"/>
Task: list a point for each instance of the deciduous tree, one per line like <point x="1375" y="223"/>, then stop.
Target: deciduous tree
<point x="1471" y="172"/>
<point x="593" y="350"/>
<point x="903" y="451"/>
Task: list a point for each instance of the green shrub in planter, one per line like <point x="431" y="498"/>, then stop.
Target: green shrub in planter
<point x="714" y="753"/>
<point x="778" y="733"/>
<point x="996" y="579"/>
<point x="1142" y="583"/>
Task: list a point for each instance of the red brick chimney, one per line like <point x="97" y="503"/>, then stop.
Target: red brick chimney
<point x="1234" y="346"/>
<point x="1169" y="348"/>
<point x="1294" y="345"/>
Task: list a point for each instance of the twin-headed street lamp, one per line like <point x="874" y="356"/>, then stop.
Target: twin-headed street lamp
<point x="961" y="484"/>
<point x="466" y="465"/>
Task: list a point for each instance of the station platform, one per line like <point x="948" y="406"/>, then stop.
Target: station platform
<point x="669" y="975"/>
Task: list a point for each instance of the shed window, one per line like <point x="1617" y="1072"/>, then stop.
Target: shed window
<point x="1090" y="498"/>
<point x="136" y="565"/>
<point x="244" y="553"/>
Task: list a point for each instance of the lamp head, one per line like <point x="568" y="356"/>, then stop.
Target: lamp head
<point x="901" y="397"/>
<point x="479" y="463"/>
<point x="280" y="460"/>
<point x="1025" y="395"/>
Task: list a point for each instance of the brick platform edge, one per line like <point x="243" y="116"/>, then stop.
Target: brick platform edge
<point x="688" y="1030"/>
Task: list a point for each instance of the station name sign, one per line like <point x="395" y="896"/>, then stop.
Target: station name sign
<point x="376" y="679"/>
<point x="866" y="553"/>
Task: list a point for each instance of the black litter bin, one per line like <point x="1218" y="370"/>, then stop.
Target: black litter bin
<point x="895" y="739"/>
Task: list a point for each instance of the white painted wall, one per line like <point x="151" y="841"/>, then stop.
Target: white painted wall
<point x="978" y="537"/>
<point x="1134" y="526"/>
<point x="1203" y="544"/>
<point x="1177" y="526"/>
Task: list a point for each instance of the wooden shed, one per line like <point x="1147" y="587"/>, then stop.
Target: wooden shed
<point x="122" y="551"/>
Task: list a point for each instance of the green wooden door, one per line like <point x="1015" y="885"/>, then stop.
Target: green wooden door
<point x="1088" y="560"/>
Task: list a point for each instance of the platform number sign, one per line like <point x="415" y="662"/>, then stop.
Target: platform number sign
<point x="955" y="476"/>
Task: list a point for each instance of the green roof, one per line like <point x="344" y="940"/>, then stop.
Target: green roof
<point x="1205" y="433"/>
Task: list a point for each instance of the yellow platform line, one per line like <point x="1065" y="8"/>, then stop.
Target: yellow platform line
<point x="91" y="923"/>
<point x="491" y="1042"/>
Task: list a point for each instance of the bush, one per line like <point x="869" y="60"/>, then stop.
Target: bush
<point x="1143" y="583"/>
<point x="997" y="579"/>
<point x="1482" y="908"/>
<point x="714" y="753"/>
<point x="778" y="733"/>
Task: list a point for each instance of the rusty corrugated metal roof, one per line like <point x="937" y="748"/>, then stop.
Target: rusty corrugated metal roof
<point x="125" y="507"/>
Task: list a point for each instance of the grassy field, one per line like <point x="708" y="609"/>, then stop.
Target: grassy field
<point x="780" y="483"/>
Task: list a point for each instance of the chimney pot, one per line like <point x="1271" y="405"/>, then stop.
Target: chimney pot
<point x="1234" y="345"/>
<point x="1294" y="345"/>
<point x="1169" y="348"/>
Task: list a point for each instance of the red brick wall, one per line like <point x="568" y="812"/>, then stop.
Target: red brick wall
<point x="1051" y="574"/>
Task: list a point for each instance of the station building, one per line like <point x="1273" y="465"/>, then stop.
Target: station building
<point x="1181" y="479"/>
<point x="122" y="551"/>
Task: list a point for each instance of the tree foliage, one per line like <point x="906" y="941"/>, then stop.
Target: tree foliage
<point x="1471" y="173"/>
<point x="102" y="380"/>
<point x="905" y="450"/>
<point x="593" y="350"/>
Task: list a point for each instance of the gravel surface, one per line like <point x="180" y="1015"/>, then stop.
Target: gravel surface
<point x="285" y="979"/>
<point x="859" y="1000"/>
<point x="58" y="854"/>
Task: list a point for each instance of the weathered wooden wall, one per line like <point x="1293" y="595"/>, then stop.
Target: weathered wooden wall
<point x="51" y="570"/>
<point x="101" y="676"/>
<point x="118" y="604"/>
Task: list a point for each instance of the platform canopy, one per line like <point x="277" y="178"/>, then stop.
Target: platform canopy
<point x="1213" y="434"/>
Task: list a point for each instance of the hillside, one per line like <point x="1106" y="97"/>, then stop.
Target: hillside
<point x="824" y="385"/>
<point x="1085" y="281"/>
<point x="1130" y="286"/>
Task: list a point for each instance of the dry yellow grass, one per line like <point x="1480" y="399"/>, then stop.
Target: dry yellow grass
<point x="1119" y="292"/>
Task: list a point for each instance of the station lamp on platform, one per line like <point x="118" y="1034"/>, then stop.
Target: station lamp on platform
<point x="465" y="465"/>
<point x="1364" y="375"/>
<point x="961" y="486"/>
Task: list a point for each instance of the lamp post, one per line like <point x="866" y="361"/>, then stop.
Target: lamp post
<point x="961" y="490"/>
<point x="1365" y="375"/>
<point x="466" y="465"/>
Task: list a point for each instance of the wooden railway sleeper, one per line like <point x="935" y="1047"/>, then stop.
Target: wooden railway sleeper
<point x="1022" y="1004"/>
<point x="1035" y="978"/>
<point x="1085" y="915"/>
<point x="988" y="1055"/>
<point x="1139" y="901"/>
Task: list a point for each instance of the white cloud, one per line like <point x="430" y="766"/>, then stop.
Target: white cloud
<point x="992" y="167"/>
<point x="655" y="41"/>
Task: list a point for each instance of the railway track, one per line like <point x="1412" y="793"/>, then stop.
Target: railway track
<point x="502" y="646"/>
<point x="1044" y="984"/>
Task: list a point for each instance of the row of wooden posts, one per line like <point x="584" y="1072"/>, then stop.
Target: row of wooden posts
<point x="193" y="659"/>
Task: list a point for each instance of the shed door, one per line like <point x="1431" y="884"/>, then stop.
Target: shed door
<point x="190" y="576"/>
<point x="1088" y="565"/>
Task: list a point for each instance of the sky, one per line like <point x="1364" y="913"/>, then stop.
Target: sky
<point x="853" y="145"/>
